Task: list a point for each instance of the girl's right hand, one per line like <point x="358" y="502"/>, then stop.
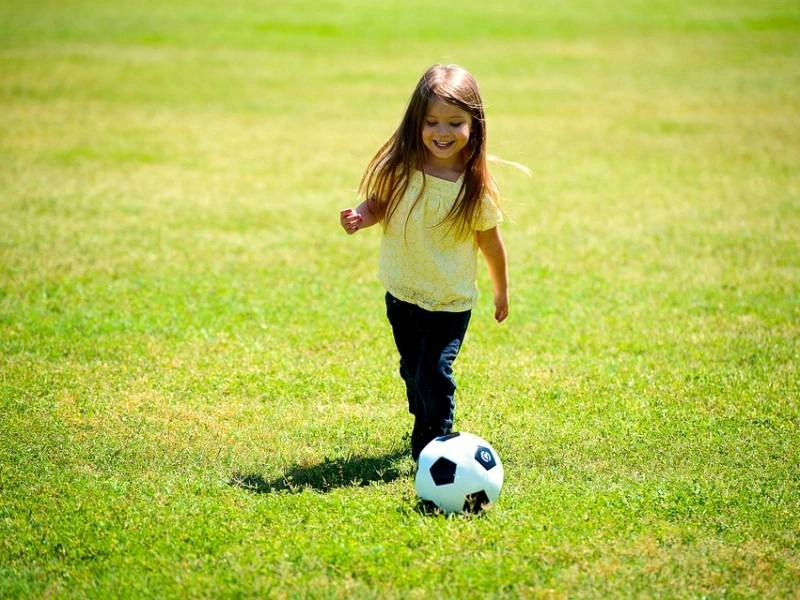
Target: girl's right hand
<point x="350" y="220"/>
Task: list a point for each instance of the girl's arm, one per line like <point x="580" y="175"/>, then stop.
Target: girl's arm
<point x="494" y="251"/>
<point x="353" y="219"/>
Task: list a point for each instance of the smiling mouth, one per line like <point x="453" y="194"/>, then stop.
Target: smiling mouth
<point x="443" y="145"/>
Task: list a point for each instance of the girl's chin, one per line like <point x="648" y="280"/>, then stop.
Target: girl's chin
<point x="443" y="153"/>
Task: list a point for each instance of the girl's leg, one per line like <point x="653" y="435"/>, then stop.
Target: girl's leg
<point x="443" y="335"/>
<point x="405" y="324"/>
<point x="428" y="343"/>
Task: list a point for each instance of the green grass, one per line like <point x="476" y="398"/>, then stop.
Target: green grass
<point x="198" y="389"/>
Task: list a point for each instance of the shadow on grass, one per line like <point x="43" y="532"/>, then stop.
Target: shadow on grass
<point x="329" y="474"/>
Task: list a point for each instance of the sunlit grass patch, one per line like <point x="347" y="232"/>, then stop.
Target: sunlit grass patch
<point x="198" y="387"/>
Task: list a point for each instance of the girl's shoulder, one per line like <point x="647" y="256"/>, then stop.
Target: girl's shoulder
<point x="489" y="213"/>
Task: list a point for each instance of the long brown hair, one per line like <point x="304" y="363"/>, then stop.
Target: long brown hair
<point x="386" y="177"/>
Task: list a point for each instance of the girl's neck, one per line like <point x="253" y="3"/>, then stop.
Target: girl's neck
<point x="449" y="172"/>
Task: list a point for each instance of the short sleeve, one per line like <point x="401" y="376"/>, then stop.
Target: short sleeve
<point x="489" y="215"/>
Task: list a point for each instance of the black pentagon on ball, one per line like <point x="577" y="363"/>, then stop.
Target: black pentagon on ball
<point x="443" y="471"/>
<point x="485" y="458"/>
<point x="476" y="502"/>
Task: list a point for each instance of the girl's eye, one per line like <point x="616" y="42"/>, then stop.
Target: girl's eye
<point x="430" y="123"/>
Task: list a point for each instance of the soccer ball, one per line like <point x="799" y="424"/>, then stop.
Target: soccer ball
<point x="459" y="472"/>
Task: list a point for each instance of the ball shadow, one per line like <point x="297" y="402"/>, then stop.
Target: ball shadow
<point x="328" y="475"/>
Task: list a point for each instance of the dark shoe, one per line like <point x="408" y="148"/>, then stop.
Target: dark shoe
<point x="420" y="439"/>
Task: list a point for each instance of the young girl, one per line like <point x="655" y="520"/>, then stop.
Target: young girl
<point x="430" y="188"/>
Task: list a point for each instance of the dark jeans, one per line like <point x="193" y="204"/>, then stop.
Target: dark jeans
<point x="428" y="343"/>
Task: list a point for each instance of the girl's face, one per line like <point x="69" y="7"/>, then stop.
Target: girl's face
<point x="445" y="133"/>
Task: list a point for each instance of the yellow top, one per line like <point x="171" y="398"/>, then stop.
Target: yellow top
<point x="427" y="265"/>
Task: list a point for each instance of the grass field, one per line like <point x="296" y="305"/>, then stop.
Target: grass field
<point x="198" y="389"/>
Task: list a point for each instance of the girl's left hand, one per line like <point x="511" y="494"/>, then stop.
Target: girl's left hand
<point x="500" y="309"/>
